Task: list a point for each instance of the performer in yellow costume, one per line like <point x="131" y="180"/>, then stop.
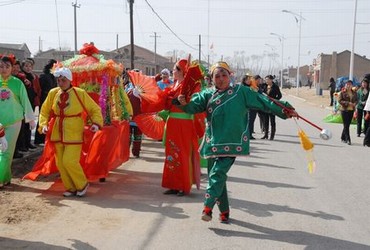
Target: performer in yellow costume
<point x="61" y="115"/>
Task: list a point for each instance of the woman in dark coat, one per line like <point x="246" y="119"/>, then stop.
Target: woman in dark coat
<point x="47" y="82"/>
<point x="273" y="91"/>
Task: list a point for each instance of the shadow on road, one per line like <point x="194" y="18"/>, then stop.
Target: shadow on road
<point x="299" y="238"/>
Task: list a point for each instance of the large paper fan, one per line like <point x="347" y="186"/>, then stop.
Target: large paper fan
<point x="151" y="124"/>
<point x="146" y="86"/>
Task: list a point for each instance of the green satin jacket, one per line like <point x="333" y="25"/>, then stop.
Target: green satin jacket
<point x="227" y="118"/>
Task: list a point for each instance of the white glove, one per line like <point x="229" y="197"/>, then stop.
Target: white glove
<point x="32" y="124"/>
<point x="136" y="92"/>
<point x="94" y="128"/>
<point x="3" y="144"/>
<point x="45" y="130"/>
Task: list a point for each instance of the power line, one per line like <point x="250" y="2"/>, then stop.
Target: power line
<point x="169" y="27"/>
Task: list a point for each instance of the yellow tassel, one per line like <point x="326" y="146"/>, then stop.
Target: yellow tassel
<point x="308" y="147"/>
<point x="311" y="161"/>
<point x="305" y="141"/>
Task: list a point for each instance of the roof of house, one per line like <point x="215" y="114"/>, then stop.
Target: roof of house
<point x="18" y="46"/>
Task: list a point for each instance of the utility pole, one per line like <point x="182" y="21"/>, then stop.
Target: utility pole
<point x="200" y="47"/>
<point x="352" y="58"/>
<point x="117" y="42"/>
<point x="132" y="33"/>
<point x="75" y="6"/>
<point x="40" y="44"/>
<point x="155" y="50"/>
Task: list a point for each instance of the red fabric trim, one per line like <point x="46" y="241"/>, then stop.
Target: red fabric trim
<point x="96" y="158"/>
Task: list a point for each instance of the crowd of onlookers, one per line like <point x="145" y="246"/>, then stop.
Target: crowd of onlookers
<point x="37" y="88"/>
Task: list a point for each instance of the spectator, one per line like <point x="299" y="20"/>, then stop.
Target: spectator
<point x="332" y="90"/>
<point x="347" y="100"/>
<point x="34" y="92"/>
<point x="247" y="81"/>
<point x="47" y="82"/>
<point x="21" y="142"/>
<point x="362" y="95"/>
<point x="166" y="81"/>
<point x="273" y="91"/>
<point x="135" y="132"/>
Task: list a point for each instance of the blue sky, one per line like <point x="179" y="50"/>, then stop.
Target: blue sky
<point x="231" y="26"/>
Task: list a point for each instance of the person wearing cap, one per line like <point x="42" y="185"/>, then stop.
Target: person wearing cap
<point x="165" y="81"/>
<point x="226" y="109"/>
<point x="61" y="118"/>
<point x="272" y="90"/>
<point x="14" y="106"/>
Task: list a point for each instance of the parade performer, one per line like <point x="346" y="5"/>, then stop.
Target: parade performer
<point x="135" y="132"/>
<point x="14" y="106"/>
<point x="61" y="116"/>
<point x="182" y="163"/>
<point x="226" y="109"/>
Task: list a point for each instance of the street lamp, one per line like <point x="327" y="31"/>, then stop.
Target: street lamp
<point x="353" y="44"/>
<point x="281" y="38"/>
<point x="351" y="63"/>
<point x="299" y="22"/>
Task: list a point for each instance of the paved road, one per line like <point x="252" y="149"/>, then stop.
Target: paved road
<point x="275" y="203"/>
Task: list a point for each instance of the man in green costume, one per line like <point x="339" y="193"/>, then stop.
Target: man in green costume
<point x="227" y="133"/>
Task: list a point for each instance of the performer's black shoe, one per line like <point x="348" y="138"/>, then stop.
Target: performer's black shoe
<point x="171" y="191"/>
<point x="180" y="193"/>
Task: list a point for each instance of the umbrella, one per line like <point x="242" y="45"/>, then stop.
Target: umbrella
<point x="151" y="124"/>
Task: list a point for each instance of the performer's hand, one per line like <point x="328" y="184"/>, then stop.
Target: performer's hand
<point x="181" y="99"/>
<point x="32" y="125"/>
<point x="45" y="129"/>
<point x="3" y="144"/>
<point x="290" y="113"/>
<point x="136" y="92"/>
<point x="94" y="128"/>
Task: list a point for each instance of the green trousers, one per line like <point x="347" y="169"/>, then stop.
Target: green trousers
<point x="6" y="158"/>
<point x="216" y="189"/>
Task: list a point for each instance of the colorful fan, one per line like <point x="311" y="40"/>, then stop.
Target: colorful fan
<point x="193" y="77"/>
<point x="151" y="124"/>
<point x="145" y="86"/>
